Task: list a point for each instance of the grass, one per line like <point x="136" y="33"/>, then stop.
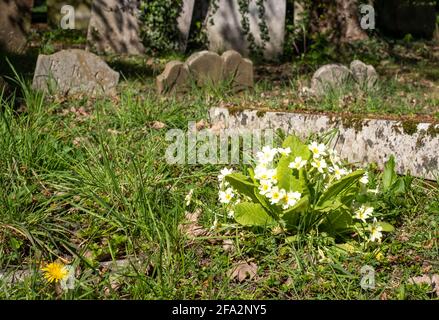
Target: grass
<point x="84" y="180"/>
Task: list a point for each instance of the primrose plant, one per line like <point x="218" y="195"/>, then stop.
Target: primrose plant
<point x="298" y="188"/>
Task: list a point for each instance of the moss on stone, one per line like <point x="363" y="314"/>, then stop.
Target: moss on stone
<point x="260" y="113"/>
<point x="409" y="127"/>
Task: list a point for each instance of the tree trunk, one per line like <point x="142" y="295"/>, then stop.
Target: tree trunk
<point x="350" y="24"/>
<point x="338" y="19"/>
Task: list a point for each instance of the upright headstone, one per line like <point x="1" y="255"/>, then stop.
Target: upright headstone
<point x="205" y="67"/>
<point x="114" y="27"/>
<point x="15" y="19"/>
<point x="82" y="12"/>
<point x="237" y="70"/>
<point x="74" y="71"/>
<point x="174" y="79"/>
<point x="184" y="22"/>
<point x="225" y="30"/>
<point x="365" y="75"/>
<point x="330" y="77"/>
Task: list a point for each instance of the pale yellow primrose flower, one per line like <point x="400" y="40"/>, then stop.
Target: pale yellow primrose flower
<point x="375" y="231"/>
<point x="223" y="173"/>
<point x="285" y="151"/>
<point x="365" y="178"/>
<point x="317" y="150"/>
<point x="275" y="195"/>
<point x="337" y="171"/>
<point x="273" y="175"/>
<point x="319" y="164"/>
<point x="298" y="163"/>
<point x="262" y="173"/>
<point x="363" y="213"/>
<point x="267" y="155"/>
<point x="226" y="196"/>
<point x="290" y="199"/>
<point x="265" y="187"/>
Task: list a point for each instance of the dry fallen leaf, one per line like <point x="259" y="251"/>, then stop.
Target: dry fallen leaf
<point x="242" y="270"/>
<point x="158" y="125"/>
<point x="191" y="228"/>
<point x="202" y="124"/>
<point x="432" y="280"/>
<point x="228" y="245"/>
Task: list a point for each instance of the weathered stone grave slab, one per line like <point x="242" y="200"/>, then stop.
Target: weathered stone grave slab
<point x="337" y="76"/>
<point x="174" y="79"/>
<point x="206" y="68"/>
<point x="227" y="31"/>
<point x="415" y="146"/>
<point x="114" y="27"/>
<point x="15" y="19"/>
<point x="74" y="71"/>
<point x="365" y="75"/>
<point x="328" y="77"/>
<point x="238" y="70"/>
<point x="184" y="22"/>
<point x="82" y="12"/>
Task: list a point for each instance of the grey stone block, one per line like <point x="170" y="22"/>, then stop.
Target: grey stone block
<point x="362" y="141"/>
<point x="74" y="71"/>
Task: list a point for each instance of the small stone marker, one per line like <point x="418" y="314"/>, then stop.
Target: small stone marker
<point x="205" y="67"/>
<point x="328" y="77"/>
<point x="184" y="22"/>
<point x="238" y="70"/>
<point x="175" y="78"/>
<point x="74" y="71"/>
<point x="15" y="19"/>
<point x="227" y="32"/>
<point x="365" y="75"/>
<point x="114" y="28"/>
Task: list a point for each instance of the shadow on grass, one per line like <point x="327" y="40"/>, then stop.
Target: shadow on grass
<point x="24" y="63"/>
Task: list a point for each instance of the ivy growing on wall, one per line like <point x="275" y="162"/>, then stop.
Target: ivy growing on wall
<point x="244" y="5"/>
<point x="158" y="24"/>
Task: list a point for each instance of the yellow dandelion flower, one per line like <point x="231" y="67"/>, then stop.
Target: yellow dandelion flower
<point x="55" y="272"/>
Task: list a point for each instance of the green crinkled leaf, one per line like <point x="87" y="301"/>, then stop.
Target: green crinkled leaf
<point x="292" y="215"/>
<point x="284" y="174"/>
<point x="389" y="174"/>
<point x="242" y="184"/>
<point x="265" y="203"/>
<point x="337" y="221"/>
<point x="252" y="214"/>
<point x="387" y="227"/>
<point x="298" y="148"/>
<point x="339" y="189"/>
